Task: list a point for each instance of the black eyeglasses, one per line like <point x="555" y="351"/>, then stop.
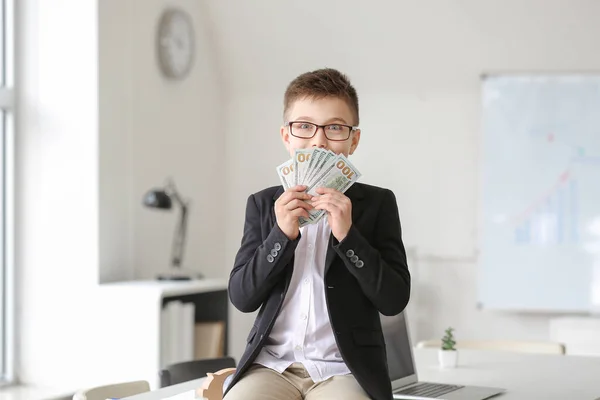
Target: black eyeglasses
<point x="334" y="132"/>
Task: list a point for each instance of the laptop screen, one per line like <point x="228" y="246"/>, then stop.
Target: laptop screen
<point x="397" y="343"/>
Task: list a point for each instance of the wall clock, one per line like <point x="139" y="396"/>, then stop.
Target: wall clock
<point x="175" y="43"/>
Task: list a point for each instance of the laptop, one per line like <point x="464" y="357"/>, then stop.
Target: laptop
<point x="403" y="374"/>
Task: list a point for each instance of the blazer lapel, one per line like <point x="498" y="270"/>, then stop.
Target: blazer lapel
<point x="273" y="218"/>
<point x="355" y="193"/>
<point x="278" y="193"/>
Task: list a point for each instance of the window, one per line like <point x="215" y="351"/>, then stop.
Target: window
<point x="7" y="294"/>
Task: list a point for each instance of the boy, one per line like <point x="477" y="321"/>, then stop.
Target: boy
<point x="320" y="288"/>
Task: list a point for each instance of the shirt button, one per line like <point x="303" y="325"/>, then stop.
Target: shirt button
<point x="306" y="281"/>
<point x="310" y="246"/>
<point x="303" y="317"/>
<point x="298" y="348"/>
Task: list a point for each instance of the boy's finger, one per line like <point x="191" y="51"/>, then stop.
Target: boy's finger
<point x="331" y="199"/>
<point x="325" y="190"/>
<point x="323" y="197"/>
<point x="289" y="196"/>
<point x="300" y="212"/>
<point x="296" y="203"/>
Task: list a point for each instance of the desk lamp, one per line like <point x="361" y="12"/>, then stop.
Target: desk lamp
<point x="163" y="199"/>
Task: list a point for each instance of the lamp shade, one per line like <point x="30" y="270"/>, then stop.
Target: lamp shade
<point x="158" y="198"/>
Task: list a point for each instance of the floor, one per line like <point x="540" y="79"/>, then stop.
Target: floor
<point x="31" y="393"/>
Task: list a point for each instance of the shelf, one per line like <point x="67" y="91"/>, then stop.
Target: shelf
<point x="169" y="288"/>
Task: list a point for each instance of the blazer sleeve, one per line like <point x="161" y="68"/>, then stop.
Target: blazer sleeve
<point x="380" y="266"/>
<point x="259" y="264"/>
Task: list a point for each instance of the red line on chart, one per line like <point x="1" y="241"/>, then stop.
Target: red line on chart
<point x="562" y="179"/>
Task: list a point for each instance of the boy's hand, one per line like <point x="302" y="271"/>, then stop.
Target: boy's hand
<point x="339" y="210"/>
<point x="289" y="207"/>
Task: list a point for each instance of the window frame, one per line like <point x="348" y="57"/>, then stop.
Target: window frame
<point x="7" y="211"/>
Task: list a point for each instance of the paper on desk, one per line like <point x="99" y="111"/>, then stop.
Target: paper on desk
<point x="189" y="395"/>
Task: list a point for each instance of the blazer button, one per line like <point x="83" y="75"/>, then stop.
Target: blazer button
<point x="349" y="253"/>
<point x="360" y="264"/>
<point x="277" y="246"/>
<point x="354" y="258"/>
<point x="270" y="258"/>
<point x="274" y="253"/>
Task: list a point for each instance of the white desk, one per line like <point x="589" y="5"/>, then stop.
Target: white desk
<point x="525" y="376"/>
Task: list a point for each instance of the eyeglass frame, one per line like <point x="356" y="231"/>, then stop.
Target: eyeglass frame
<point x="289" y="125"/>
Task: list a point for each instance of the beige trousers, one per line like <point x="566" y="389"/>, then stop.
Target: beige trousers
<point x="261" y="383"/>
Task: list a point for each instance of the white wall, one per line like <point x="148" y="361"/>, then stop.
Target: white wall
<point x="176" y="131"/>
<point x="416" y="66"/>
<point x="152" y="128"/>
<point x="115" y="105"/>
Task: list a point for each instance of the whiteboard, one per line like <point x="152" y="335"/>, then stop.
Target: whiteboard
<point x="540" y="193"/>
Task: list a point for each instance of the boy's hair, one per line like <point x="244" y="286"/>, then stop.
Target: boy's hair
<point x="319" y="84"/>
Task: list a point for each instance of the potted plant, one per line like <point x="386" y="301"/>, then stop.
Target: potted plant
<point x="448" y="356"/>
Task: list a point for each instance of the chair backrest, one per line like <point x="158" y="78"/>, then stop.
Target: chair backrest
<point x="539" y="347"/>
<point x="118" y="390"/>
<point x="189" y="370"/>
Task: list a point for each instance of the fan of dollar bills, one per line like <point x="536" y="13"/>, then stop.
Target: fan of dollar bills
<point x="316" y="168"/>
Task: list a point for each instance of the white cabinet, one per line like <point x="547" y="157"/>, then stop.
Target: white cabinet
<point x="131" y="346"/>
<point x="580" y="335"/>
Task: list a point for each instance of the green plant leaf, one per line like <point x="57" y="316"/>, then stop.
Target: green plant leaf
<point x="448" y="341"/>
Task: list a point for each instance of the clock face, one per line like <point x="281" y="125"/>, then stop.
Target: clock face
<point x="176" y="45"/>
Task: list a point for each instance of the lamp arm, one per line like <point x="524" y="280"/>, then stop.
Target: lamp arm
<point x="175" y="196"/>
<point x="180" y="234"/>
<point x="181" y="230"/>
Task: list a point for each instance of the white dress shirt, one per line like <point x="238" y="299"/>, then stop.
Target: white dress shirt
<point x="302" y="332"/>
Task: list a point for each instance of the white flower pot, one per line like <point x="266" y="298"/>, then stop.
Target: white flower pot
<point x="448" y="358"/>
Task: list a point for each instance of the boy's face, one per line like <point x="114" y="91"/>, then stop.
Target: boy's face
<point x="331" y="111"/>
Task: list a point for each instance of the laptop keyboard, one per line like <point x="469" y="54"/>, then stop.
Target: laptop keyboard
<point x="425" y="389"/>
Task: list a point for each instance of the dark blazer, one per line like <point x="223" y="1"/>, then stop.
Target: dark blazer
<point x="365" y="274"/>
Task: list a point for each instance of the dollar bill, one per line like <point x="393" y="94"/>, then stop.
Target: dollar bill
<point x="317" y="157"/>
<point x="311" y="164"/>
<point x="322" y="164"/>
<point x="317" y="168"/>
<point x="339" y="175"/>
<point x="302" y="158"/>
<point x="285" y="171"/>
